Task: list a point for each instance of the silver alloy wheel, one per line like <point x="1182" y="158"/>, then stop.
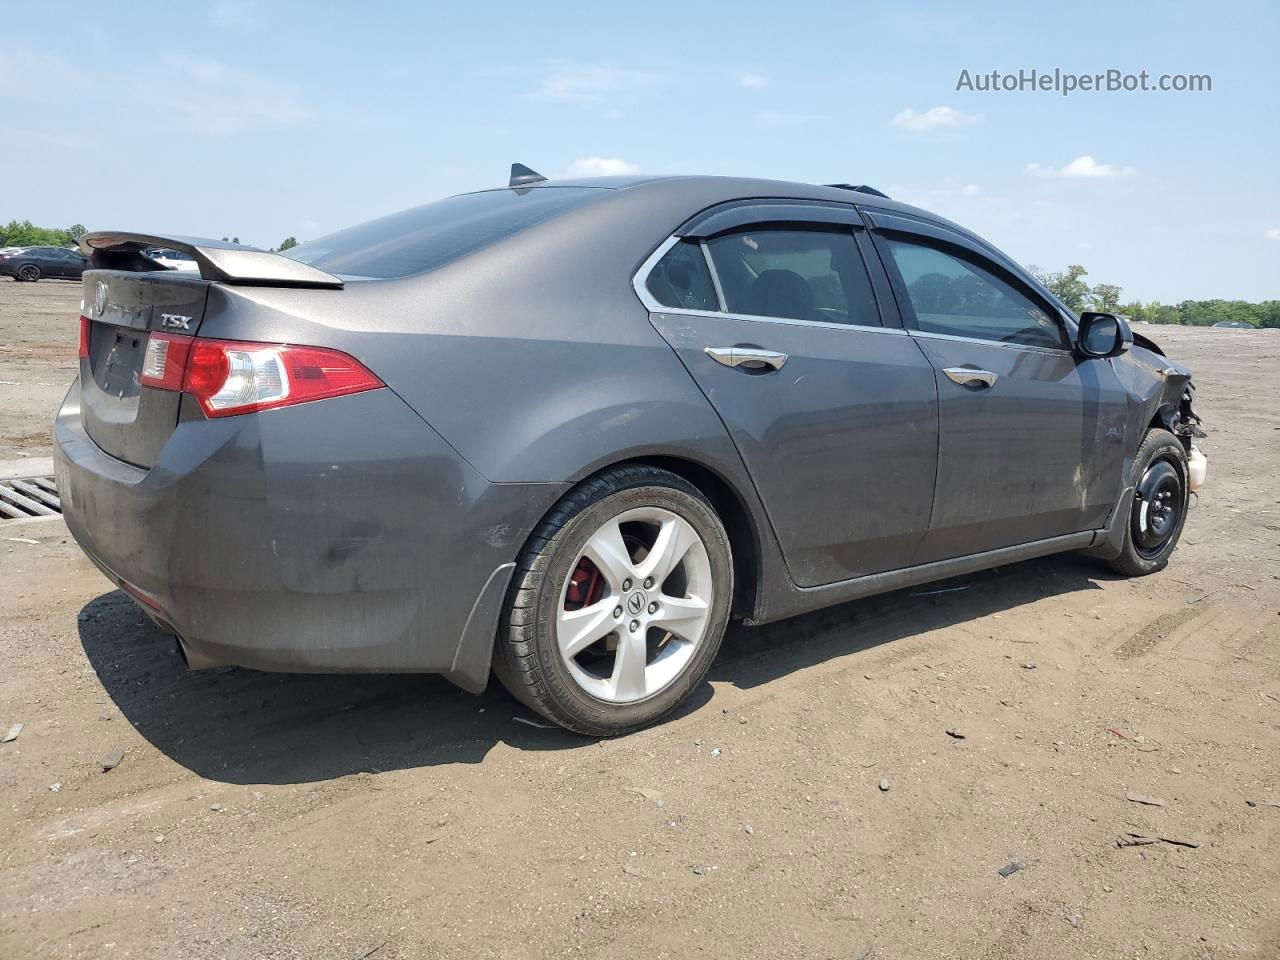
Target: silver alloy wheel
<point x="642" y="627"/>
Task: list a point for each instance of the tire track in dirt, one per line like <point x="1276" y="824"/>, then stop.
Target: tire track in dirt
<point x="1163" y="626"/>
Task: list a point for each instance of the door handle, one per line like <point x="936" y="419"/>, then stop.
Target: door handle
<point x="737" y="356"/>
<point x="967" y="375"/>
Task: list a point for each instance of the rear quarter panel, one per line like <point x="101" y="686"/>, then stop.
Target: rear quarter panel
<point x="534" y="358"/>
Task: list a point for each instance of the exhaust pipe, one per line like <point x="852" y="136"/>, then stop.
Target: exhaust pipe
<point x="193" y="659"/>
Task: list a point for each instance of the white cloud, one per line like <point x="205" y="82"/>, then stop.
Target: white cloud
<point x="933" y="119"/>
<point x="218" y="99"/>
<point x="601" y="167"/>
<point x="231" y="13"/>
<point x="1273" y="233"/>
<point x="781" y="120"/>
<point x="970" y="190"/>
<point x="753" y="81"/>
<point x="1082" y="167"/>
<point x="1085" y="245"/>
<point x="592" y="86"/>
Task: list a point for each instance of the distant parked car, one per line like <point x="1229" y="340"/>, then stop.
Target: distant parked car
<point x="174" y="259"/>
<point x="1234" y="325"/>
<point x="39" y="263"/>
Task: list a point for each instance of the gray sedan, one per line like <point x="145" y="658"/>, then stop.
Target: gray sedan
<point x="566" y="431"/>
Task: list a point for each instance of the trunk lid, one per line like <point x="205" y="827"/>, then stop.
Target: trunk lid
<point x="129" y="421"/>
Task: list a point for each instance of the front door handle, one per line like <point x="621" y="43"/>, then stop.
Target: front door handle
<point x="737" y="356"/>
<point x="968" y="375"/>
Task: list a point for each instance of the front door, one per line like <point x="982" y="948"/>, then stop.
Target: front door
<point x="1032" y="436"/>
<point x="834" y="414"/>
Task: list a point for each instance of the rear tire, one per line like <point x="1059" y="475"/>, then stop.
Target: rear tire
<point x="29" y="272"/>
<point x="1159" y="508"/>
<point x="606" y="640"/>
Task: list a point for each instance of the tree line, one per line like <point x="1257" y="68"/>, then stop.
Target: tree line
<point x="26" y="234"/>
<point x="1069" y="287"/>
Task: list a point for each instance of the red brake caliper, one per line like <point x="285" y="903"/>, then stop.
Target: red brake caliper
<point x="586" y="586"/>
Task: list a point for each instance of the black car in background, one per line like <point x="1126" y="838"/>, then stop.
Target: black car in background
<point x="40" y="263"/>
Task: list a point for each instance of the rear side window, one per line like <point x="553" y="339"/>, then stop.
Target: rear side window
<point x="682" y="279"/>
<point x="954" y="296"/>
<point x="432" y="235"/>
<point x="798" y="274"/>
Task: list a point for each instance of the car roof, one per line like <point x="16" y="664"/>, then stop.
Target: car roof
<point x="707" y="190"/>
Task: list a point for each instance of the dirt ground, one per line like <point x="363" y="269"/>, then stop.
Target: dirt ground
<point x="256" y="815"/>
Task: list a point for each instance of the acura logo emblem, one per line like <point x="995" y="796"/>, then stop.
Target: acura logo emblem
<point x="635" y="603"/>
<point x="100" y="298"/>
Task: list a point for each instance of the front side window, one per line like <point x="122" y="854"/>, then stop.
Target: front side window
<point x="953" y="296"/>
<point x="793" y="273"/>
<point x="681" y="279"/>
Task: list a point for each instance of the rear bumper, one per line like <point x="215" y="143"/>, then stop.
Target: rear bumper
<point x="337" y="536"/>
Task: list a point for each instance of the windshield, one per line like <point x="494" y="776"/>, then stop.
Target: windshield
<point x="429" y="236"/>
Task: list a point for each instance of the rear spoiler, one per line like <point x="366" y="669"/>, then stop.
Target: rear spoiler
<point x="218" y="260"/>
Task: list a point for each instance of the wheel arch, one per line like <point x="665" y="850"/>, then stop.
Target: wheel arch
<point x="739" y="524"/>
<point x="730" y="504"/>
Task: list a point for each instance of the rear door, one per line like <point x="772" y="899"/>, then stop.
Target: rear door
<point x="776" y="316"/>
<point x="1032" y="436"/>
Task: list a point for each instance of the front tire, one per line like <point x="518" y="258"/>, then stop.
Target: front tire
<point x="1159" y="509"/>
<point x="619" y="603"/>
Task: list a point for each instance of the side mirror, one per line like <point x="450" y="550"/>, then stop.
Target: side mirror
<point x="1103" y="335"/>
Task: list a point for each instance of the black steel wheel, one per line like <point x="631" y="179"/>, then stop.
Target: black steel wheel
<point x="1159" y="508"/>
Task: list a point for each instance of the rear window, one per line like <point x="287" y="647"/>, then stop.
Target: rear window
<point x="429" y="236"/>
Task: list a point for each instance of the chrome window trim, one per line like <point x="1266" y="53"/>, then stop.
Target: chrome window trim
<point x="642" y="275"/>
<point x="653" y="306"/>
<point x="928" y="335"/>
<point x="787" y="321"/>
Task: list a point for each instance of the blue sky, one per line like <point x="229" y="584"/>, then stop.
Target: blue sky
<point x="263" y="120"/>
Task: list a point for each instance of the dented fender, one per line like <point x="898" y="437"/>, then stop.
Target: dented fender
<point x="1160" y="392"/>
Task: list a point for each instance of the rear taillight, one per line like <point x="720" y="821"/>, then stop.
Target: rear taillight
<point x="85" y="326"/>
<point x="165" y="362"/>
<point x="229" y="377"/>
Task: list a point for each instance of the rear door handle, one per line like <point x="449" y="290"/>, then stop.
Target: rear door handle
<point x="737" y="356"/>
<point x="967" y="375"/>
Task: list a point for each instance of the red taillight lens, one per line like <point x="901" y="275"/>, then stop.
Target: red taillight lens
<point x="230" y="377"/>
<point x="86" y="326"/>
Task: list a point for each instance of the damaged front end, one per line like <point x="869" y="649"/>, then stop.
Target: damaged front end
<point x="1161" y="394"/>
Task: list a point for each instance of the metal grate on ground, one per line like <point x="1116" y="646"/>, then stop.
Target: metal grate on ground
<point x="27" y="498"/>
